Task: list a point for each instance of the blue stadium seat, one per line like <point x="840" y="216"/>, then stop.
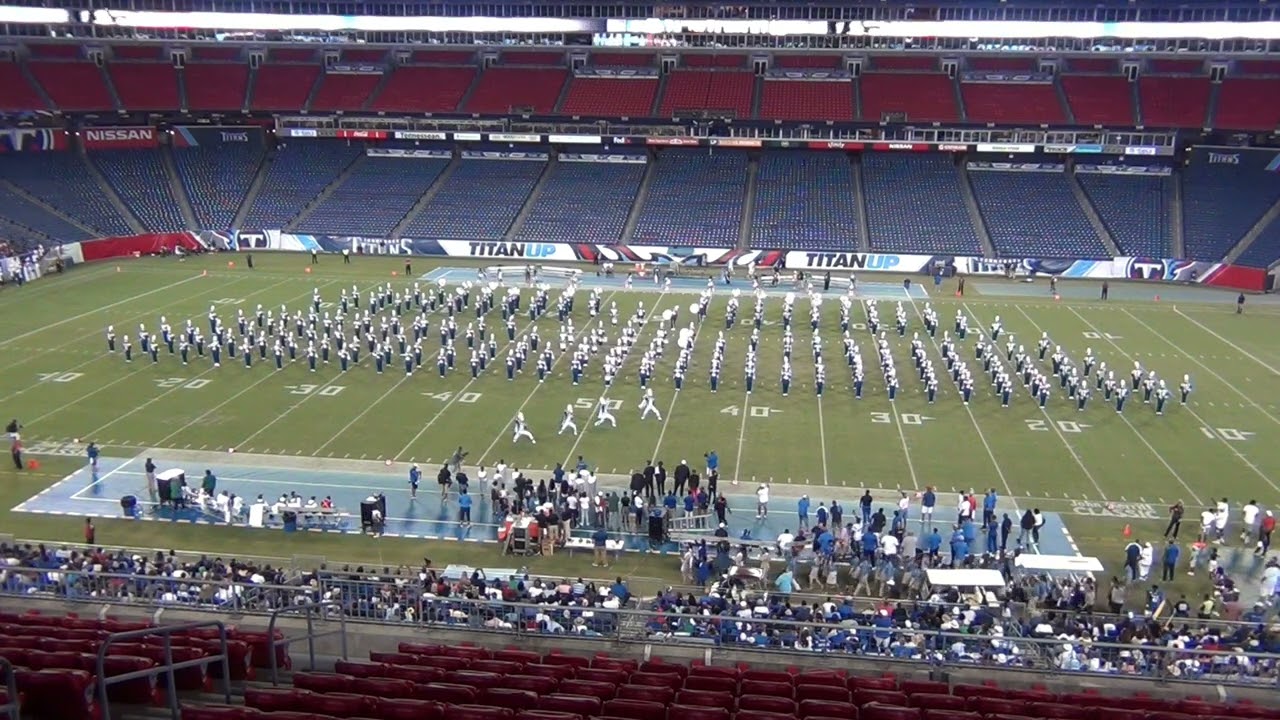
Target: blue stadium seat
<point x="695" y="198"/>
<point x="62" y="180"/>
<point x="1137" y="209"/>
<point x="24" y="217"/>
<point x="478" y="201"/>
<point x="914" y="205"/>
<point x="140" y="180"/>
<point x="374" y="197"/>
<point x="299" y="172"/>
<point x="1265" y="249"/>
<point x="216" y="179"/>
<point x="805" y="201"/>
<point x="1035" y="214"/>
<point x="583" y="201"/>
<point x="1221" y="202"/>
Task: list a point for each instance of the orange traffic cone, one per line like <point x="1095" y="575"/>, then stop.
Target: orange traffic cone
<point x="231" y="263"/>
<point x="394" y="273"/>
<point x="1128" y="530"/>
<point x="33" y="464"/>
<point x="307" y="271"/>
<point x="1157" y="298"/>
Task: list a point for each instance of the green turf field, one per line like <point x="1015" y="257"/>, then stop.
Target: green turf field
<point x="1099" y="468"/>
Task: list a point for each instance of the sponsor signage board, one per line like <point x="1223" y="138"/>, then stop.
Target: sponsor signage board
<point x="119" y="138"/>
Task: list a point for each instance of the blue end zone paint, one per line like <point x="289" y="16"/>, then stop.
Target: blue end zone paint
<point x="692" y="285"/>
<point x="85" y="494"/>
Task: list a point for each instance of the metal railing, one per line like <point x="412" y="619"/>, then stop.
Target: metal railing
<point x="168" y="668"/>
<point x="408" y="603"/>
<point x="309" y="611"/>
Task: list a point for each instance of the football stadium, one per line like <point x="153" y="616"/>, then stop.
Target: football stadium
<point x="527" y="361"/>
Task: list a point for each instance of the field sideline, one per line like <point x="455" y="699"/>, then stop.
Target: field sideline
<point x="1099" y="468"/>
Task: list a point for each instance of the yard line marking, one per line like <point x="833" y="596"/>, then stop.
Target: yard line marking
<point x="113" y="382"/>
<point x="1057" y="430"/>
<point x="1208" y="369"/>
<point x="897" y="419"/>
<point x="1139" y="434"/>
<point x="1237" y="348"/>
<point x="78" y="495"/>
<point x="95" y="311"/>
<point x="655" y="318"/>
<point x="822" y="443"/>
<point x="440" y="413"/>
<point x="675" y="394"/>
<point x="361" y="414"/>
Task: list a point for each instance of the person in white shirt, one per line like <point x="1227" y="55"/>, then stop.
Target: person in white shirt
<point x="964" y="510"/>
<point x="889" y="544"/>
<point x="1220" y="521"/>
<point x="784" y="542"/>
<point x="647" y="405"/>
<point x="762" y="501"/>
<point x="1248" y="522"/>
<point x="566" y="421"/>
<point x="1206" y="525"/>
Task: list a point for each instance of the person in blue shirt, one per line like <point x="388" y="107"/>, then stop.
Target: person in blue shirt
<point x="415" y="477"/>
<point x="92" y="452"/>
<point x="822" y="515"/>
<point x="959" y="549"/>
<point x="1170" y="561"/>
<point x="464" y="509"/>
<point x="969" y="530"/>
<point x="600" y="546"/>
<point x="993" y="530"/>
<point x="989" y="506"/>
<point x="786" y="582"/>
<point x="927" y="501"/>
<point x="870" y="543"/>
<point x="713" y="462"/>
<point x="933" y="543"/>
<point x="209" y="484"/>
<point x="826" y="543"/>
<point x="802" y="509"/>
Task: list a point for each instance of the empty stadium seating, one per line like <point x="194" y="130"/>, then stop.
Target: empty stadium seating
<point x="140" y="180"/>
<point x="695" y="198"/>
<point x="805" y="201"/>
<point x="216" y="86"/>
<point x="1012" y="103"/>
<point x="299" y="172"/>
<point x="1220" y="203"/>
<point x="26" y="214"/>
<point x="432" y="683"/>
<point x="478" y="200"/>
<point x="1248" y="104"/>
<point x="807" y="100"/>
<point x="501" y="89"/>
<point x="216" y="179"/>
<point x="282" y="88"/>
<point x="19" y="95"/>
<point x="423" y="89"/>
<point x="145" y="85"/>
<point x="1136" y="209"/>
<point x="924" y="97"/>
<point x="914" y="204"/>
<point x="1099" y="99"/>
<point x="1034" y="214"/>
<point x="714" y="90"/>
<point x="62" y="180"/>
<point x="583" y="201"/>
<point x="1265" y="250"/>
<point x="343" y="92"/>
<point x="1173" y="102"/>
<point x="610" y="97"/>
<point x="74" y="85"/>
<point x="374" y="196"/>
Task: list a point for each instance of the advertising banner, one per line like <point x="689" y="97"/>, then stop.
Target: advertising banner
<point x="807" y="74"/>
<point x="149" y="244"/>
<point x="575" y="139"/>
<point x="361" y="134"/>
<point x="185" y="136"/>
<point x="33" y="140"/>
<point x="620" y="73"/>
<point x="1021" y="78"/>
<point x="596" y="158"/>
<point x="120" y="138"/>
<point x="856" y="261"/>
<point x="834" y="145"/>
<point x="355" y="69"/>
<point x="1006" y="148"/>
<point x="420" y="135"/>
<point x="407" y="153"/>
<point x="499" y="155"/>
<point x="514" y="138"/>
<point x="1148" y="170"/>
<point x="1015" y="167"/>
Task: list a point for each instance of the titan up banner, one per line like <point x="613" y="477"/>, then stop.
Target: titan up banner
<point x="120" y="138"/>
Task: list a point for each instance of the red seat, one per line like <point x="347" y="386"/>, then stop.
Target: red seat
<point x="556" y="658"/>
<point x="1031" y="696"/>
<point x="872" y="683"/>
<point x="880" y="711"/>
<point x="580" y="704"/>
<point x="667" y="680"/>
<point x="477" y="680"/>
<point x="450" y="693"/>
<point x="359" y="668"/>
<point x="559" y="672"/>
<point x="413" y="673"/>
<point x="138" y="690"/>
<point x="341" y="705"/>
<point x="768" y="676"/>
<point x="260" y="648"/>
<point x="219" y="712"/>
<point x="762" y="715"/>
<point x="885" y="697"/>
<point x="824" y="692"/>
<point x="1115" y="713"/>
<point x="997" y="706"/>
<point x="697" y="712"/>
<point x="21" y="641"/>
<point x="501" y="667"/>
<point x="524" y="657"/>
<point x="56" y="694"/>
<point x="599" y="690"/>
<point x="15" y="655"/>
<point x="611" y="675"/>
<point x="274" y="699"/>
<point x="701" y="671"/>
<point x="714" y="683"/>
<point x="239" y="656"/>
<point x="662" y="666"/>
<point x="39" y="660"/>
<point x="634" y="709"/>
<point x="395" y="658"/>
<point x="1061" y="711"/>
<point x="478" y="712"/>
<point x="296" y="715"/>
<point x="539" y="685"/>
<point x="408" y="709"/>
<point x="322" y="682"/>
<point x="384" y="687"/>
<point x="833" y="678"/>
<point x="509" y="698"/>
<point x="938" y="701"/>
<point x="766" y="687"/>
<point x="76" y="646"/>
<point x="951" y="715"/>
<point x="545" y="715"/>
<point x="646" y="693"/>
<point x="1169" y="715"/>
<point x="826" y="708"/>
<point x="765" y="703"/>
<point x="975" y="691"/>
<point x="413" y="648"/>
<point x="450" y="664"/>
<point x="911" y="687"/>
<point x="705" y="698"/>
<point x="470" y="652"/>
<point x="606" y="662"/>
<point x="191" y="678"/>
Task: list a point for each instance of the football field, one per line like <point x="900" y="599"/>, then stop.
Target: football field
<point x="1096" y="467"/>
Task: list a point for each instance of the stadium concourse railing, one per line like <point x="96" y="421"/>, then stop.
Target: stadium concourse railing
<point x="408" y="603"/>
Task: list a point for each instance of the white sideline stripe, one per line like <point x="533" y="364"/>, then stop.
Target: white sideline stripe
<point x="95" y="311"/>
<point x="1139" y="434"/>
<point x="1209" y="370"/>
